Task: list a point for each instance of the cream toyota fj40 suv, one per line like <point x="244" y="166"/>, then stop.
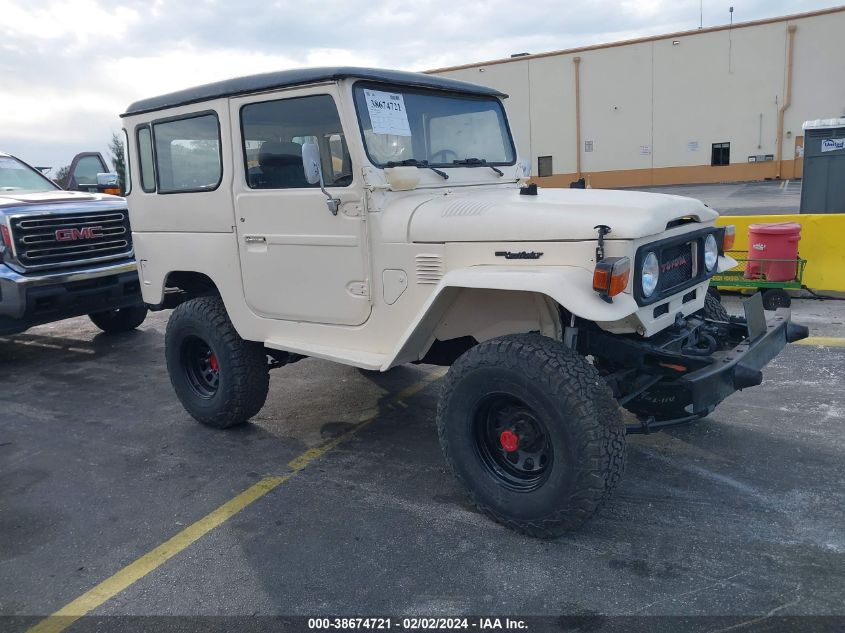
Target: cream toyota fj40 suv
<point x="376" y="218"/>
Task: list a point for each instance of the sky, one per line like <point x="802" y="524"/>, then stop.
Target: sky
<point x="69" y="68"/>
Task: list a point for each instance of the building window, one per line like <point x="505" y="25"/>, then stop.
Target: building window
<point x="187" y="154"/>
<point x="544" y="166"/>
<point x="721" y="154"/>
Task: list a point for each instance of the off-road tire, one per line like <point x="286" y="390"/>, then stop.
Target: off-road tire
<point x="714" y="292"/>
<point x="119" y="319"/>
<point x="713" y="309"/>
<point x="243" y="376"/>
<point x="579" y="414"/>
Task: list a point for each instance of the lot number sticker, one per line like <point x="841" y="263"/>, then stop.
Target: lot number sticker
<point x="387" y="112"/>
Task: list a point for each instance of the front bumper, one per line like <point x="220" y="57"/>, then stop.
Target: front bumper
<point x="689" y="368"/>
<point x="28" y="300"/>
<point x="740" y="367"/>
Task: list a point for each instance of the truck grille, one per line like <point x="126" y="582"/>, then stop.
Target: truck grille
<point x="45" y="241"/>
<point x="676" y="265"/>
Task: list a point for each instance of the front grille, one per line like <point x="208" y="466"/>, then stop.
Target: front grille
<point x="53" y="241"/>
<point x="676" y="265"/>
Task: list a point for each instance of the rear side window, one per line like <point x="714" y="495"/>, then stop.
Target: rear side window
<point x="187" y="154"/>
<point x="145" y="159"/>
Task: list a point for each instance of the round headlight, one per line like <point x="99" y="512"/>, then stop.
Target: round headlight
<point x="711" y="253"/>
<point x="650" y="274"/>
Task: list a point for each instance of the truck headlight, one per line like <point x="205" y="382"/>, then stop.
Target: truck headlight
<point x="650" y="274"/>
<point x="711" y="252"/>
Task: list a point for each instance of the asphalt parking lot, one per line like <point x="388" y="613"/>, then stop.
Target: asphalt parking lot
<point x="741" y="198"/>
<point x="740" y="514"/>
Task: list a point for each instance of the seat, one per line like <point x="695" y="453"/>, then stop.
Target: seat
<point x="281" y="166"/>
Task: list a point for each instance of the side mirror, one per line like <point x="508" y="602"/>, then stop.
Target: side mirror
<point x="106" y="180"/>
<point x="108" y="183"/>
<point x="314" y="173"/>
<point x="311" y="163"/>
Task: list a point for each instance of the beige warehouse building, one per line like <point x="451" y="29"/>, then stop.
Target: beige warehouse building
<point x="711" y="105"/>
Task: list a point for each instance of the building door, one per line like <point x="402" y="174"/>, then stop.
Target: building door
<point x="298" y="260"/>
<point x="798" y="162"/>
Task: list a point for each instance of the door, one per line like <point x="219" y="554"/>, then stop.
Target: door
<point x="298" y="260"/>
<point x="798" y="162"/>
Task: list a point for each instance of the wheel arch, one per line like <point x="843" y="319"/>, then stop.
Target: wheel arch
<point x="485" y="302"/>
<point x="191" y="282"/>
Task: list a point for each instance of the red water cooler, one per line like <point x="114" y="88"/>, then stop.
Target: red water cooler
<point x="773" y="251"/>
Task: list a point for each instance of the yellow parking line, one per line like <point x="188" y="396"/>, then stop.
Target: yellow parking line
<point x="150" y="561"/>
<point x="825" y="341"/>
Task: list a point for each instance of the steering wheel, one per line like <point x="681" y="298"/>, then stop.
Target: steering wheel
<point x="445" y="153"/>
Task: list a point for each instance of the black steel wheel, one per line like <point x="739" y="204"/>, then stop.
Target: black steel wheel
<point x="532" y="432"/>
<point x="512" y="442"/>
<point x="202" y="369"/>
<point x="220" y="379"/>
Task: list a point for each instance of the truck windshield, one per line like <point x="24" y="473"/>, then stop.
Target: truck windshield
<point x="441" y="129"/>
<point x="21" y="178"/>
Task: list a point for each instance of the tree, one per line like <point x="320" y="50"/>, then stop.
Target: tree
<point x="116" y="149"/>
<point x="61" y="175"/>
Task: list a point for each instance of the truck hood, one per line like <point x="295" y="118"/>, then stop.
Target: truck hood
<point x="10" y="198"/>
<point x="553" y="214"/>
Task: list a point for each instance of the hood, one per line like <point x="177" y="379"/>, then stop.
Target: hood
<point x="553" y="214"/>
<point x="10" y="198"/>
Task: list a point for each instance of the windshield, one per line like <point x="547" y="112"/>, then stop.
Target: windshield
<point x="400" y="123"/>
<point x="21" y="178"/>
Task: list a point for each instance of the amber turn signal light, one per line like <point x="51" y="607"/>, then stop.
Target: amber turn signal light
<point x="611" y="276"/>
<point x="112" y="190"/>
<point x="728" y="238"/>
<point x="5" y="238"/>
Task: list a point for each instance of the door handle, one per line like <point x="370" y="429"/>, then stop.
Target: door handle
<point x="255" y="239"/>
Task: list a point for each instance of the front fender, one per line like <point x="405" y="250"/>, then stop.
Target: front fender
<point x="569" y="286"/>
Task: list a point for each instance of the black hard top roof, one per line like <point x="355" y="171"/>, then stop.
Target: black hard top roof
<point x="300" y="76"/>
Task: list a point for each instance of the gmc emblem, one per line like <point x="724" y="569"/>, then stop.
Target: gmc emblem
<point x="675" y="263"/>
<point x="86" y="233"/>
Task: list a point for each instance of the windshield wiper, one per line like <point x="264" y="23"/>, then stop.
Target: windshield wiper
<point x="477" y="162"/>
<point x="413" y="162"/>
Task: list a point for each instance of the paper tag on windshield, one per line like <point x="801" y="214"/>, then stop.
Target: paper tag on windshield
<point x="387" y="112"/>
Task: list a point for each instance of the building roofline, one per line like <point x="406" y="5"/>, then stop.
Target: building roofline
<point x="641" y="40"/>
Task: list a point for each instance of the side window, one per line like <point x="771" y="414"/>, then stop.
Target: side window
<point x="127" y="180"/>
<point x="85" y="171"/>
<point x="145" y="159"/>
<point x="187" y="154"/>
<point x="273" y="134"/>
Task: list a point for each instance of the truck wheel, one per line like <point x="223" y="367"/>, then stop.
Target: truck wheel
<point x="775" y="298"/>
<point x="532" y="432"/>
<point x="119" y="319"/>
<point x="221" y="379"/>
<point x="714" y="310"/>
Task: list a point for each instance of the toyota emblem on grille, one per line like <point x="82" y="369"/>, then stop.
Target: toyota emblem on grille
<point x="675" y="263"/>
<point x="85" y="233"/>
